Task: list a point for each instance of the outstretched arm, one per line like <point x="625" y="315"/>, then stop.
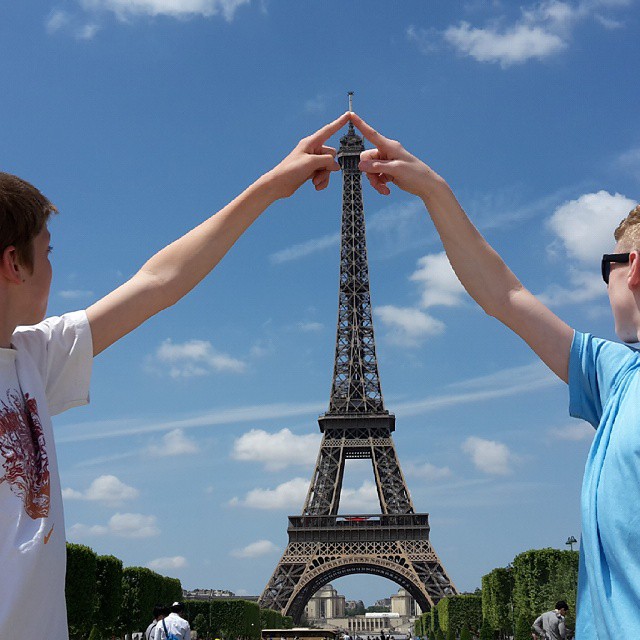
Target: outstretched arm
<point x="479" y="268"/>
<point x="179" y="267"/>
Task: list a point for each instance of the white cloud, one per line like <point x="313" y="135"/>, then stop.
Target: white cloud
<point x="107" y="489"/>
<point x="398" y="227"/>
<point x="62" y="21"/>
<point x="630" y="161"/>
<point x="193" y="358"/>
<point x="129" y="426"/>
<point x="57" y="20"/>
<point x="408" y="326"/>
<point x="441" y="286"/>
<point x="585" y="226"/>
<point x="505" y="383"/>
<point x="305" y="249"/>
<point x="428" y="471"/>
<point x="288" y="495"/>
<point x="310" y="327"/>
<point x="255" y="549"/>
<point x="585" y="286"/>
<point x="438" y="286"/>
<point x="276" y="450"/>
<point x="542" y="30"/>
<point x="573" y="432"/>
<point x="364" y="499"/>
<point x="75" y="294"/>
<point x="317" y="104"/>
<point x="124" y="525"/>
<point x="489" y="456"/>
<point x="174" y="8"/>
<point x="168" y="563"/>
<point x="583" y="230"/>
<point x="87" y="32"/>
<point x="174" y="443"/>
<point x="513" y="45"/>
<point x="393" y="229"/>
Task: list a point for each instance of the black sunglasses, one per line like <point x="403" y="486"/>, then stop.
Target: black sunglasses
<point x="607" y="259"/>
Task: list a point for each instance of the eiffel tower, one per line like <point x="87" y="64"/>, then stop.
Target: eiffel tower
<point x="323" y="544"/>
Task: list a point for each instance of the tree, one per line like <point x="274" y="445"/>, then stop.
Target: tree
<point x="523" y="628"/>
<point x="109" y="593"/>
<point x="541" y="578"/>
<point x="80" y="589"/>
<point x="200" y="624"/>
<point x="486" y="632"/>
<point x="497" y="600"/>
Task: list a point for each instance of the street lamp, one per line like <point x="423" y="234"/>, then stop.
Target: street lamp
<point x="571" y="541"/>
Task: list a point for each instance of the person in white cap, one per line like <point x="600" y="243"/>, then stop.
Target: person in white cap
<point x="174" y="626"/>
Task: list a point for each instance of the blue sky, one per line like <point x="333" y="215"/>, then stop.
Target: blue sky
<point x="139" y="118"/>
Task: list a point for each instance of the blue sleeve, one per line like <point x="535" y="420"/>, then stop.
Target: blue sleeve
<point x="596" y="366"/>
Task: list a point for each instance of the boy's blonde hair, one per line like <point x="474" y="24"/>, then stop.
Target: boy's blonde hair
<point x="628" y="231"/>
<point x="24" y="211"/>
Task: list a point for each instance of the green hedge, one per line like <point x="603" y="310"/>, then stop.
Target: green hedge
<point x="142" y="589"/>
<point x="541" y="578"/>
<point x="109" y="594"/>
<point x="456" y="613"/>
<point x="235" y="618"/>
<point x="497" y="588"/>
<point x="80" y="589"/>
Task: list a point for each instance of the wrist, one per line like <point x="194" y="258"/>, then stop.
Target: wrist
<point x="267" y="187"/>
<point x="433" y="188"/>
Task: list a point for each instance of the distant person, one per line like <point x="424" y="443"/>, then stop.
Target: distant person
<point x="603" y="378"/>
<point x="550" y="625"/>
<point x="174" y="626"/>
<point x="45" y="365"/>
<point x="158" y="614"/>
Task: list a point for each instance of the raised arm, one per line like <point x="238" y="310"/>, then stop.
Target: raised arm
<point x="479" y="268"/>
<point x="179" y="267"/>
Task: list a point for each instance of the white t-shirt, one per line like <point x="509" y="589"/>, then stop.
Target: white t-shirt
<point x="176" y="625"/>
<point x="46" y="371"/>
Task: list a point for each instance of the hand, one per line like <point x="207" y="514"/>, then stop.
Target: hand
<point x="391" y="162"/>
<point x="310" y="159"/>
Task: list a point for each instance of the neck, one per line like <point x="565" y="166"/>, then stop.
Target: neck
<point x="8" y="323"/>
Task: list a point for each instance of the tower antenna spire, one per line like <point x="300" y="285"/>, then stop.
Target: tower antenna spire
<point x="350" y="94"/>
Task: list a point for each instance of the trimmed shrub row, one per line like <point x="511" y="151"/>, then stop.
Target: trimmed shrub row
<point x="511" y="599"/>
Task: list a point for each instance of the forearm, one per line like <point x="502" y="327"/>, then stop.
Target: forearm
<point x="537" y="626"/>
<point x="479" y="268"/>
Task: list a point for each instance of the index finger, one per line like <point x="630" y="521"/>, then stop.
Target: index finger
<point x="369" y="132"/>
<point x="322" y="135"/>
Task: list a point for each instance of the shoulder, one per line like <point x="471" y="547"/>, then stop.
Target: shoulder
<point x="590" y="352"/>
<point x="55" y="327"/>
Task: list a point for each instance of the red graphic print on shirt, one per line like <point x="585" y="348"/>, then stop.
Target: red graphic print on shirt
<point x="22" y="445"/>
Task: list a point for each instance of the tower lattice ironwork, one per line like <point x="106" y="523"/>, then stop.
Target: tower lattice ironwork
<point x="323" y="544"/>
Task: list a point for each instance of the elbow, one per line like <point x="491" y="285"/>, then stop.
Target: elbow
<point x="161" y="291"/>
<point x="501" y="305"/>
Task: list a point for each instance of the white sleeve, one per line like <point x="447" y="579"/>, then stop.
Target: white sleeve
<point x="62" y="349"/>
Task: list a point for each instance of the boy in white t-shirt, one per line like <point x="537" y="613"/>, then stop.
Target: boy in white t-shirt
<point x="45" y="365"/>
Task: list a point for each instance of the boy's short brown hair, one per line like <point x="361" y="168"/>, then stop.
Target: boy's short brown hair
<point x="628" y="231"/>
<point x="24" y="211"/>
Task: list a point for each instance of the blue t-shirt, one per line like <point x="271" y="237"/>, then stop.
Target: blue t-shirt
<point x="604" y="387"/>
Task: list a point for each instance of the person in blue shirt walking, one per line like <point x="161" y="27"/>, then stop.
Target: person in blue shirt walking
<point x="603" y="379"/>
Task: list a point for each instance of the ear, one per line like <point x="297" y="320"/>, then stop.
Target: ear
<point x="633" y="279"/>
<point x="10" y="267"/>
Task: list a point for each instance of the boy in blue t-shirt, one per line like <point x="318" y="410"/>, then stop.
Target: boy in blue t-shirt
<point x="603" y="378"/>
